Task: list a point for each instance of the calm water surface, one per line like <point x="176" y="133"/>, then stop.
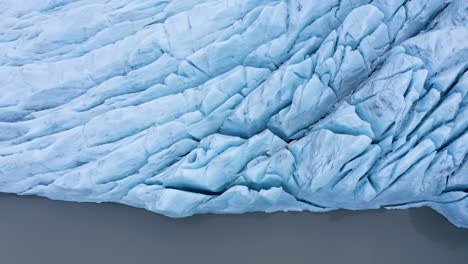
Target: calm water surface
<point x="37" y="230"/>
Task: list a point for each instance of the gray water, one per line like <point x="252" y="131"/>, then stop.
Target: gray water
<point x="37" y="230"/>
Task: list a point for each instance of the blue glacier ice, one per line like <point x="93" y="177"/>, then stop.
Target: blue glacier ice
<point x="230" y="106"/>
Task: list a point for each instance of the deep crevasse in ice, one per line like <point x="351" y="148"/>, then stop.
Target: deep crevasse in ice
<point x="191" y="106"/>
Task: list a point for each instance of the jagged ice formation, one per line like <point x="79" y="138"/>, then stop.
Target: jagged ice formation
<point x="228" y="106"/>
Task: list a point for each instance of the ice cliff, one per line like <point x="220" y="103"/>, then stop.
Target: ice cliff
<point x="229" y="106"/>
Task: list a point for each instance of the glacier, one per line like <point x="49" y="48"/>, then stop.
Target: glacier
<point x="228" y="106"/>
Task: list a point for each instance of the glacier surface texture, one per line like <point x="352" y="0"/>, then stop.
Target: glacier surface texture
<point x="229" y="106"/>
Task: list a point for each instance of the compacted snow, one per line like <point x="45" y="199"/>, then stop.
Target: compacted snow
<point x="192" y="106"/>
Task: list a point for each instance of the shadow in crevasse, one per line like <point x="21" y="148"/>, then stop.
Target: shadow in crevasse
<point x="435" y="227"/>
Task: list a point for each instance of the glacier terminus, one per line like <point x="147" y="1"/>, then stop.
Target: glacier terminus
<point x="228" y="106"/>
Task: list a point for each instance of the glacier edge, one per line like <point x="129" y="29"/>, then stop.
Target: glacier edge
<point x="186" y="107"/>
